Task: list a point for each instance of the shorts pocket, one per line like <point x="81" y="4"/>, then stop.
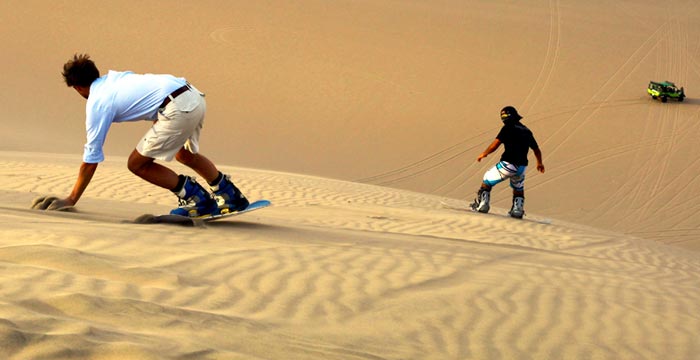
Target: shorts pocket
<point x="187" y="101"/>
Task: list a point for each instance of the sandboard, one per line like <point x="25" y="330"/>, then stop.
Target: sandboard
<point x="469" y="209"/>
<point x="188" y="221"/>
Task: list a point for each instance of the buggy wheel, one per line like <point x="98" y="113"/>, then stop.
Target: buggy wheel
<point x="680" y="98"/>
<point x="654" y="97"/>
<point x="664" y="99"/>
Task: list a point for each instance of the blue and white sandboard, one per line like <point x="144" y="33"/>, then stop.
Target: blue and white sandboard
<point x="186" y="220"/>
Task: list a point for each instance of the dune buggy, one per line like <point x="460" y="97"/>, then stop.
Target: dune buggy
<point x="665" y="90"/>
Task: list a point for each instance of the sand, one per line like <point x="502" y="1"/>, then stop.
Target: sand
<point x="359" y="120"/>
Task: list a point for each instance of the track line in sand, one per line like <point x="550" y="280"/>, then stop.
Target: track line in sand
<point x="549" y="63"/>
<point x="643" y="51"/>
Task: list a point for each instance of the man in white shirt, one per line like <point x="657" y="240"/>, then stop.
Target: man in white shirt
<point x="177" y="110"/>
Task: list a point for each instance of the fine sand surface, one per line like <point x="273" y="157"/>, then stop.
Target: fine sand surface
<point x="398" y="93"/>
<point x="358" y="119"/>
<point x="334" y="270"/>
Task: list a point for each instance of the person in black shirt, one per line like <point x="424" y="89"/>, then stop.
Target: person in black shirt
<point x="517" y="139"/>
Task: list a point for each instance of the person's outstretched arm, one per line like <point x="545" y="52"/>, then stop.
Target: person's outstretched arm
<point x="87" y="170"/>
<point x="494" y="145"/>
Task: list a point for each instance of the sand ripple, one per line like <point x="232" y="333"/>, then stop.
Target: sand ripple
<point x="333" y="270"/>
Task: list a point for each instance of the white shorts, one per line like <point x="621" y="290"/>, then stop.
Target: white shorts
<point x="178" y="126"/>
<point x="505" y="170"/>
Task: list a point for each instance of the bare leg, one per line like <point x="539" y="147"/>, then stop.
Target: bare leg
<point x="145" y="168"/>
<point x="199" y="163"/>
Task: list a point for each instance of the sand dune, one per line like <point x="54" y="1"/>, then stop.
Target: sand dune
<point x="400" y="94"/>
<point x="333" y="270"/>
<point x="358" y="120"/>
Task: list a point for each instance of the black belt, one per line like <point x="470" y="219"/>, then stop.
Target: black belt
<point x="174" y="94"/>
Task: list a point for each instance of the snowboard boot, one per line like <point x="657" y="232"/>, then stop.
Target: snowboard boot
<point x="481" y="203"/>
<point x="518" y="210"/>
<point x="227" y="195"/>
<point x="195" y="201"/>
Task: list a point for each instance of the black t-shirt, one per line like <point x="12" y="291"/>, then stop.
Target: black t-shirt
<point x="517" y="139"/>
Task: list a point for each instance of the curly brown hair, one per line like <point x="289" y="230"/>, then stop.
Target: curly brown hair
<point x="80" y="71"/>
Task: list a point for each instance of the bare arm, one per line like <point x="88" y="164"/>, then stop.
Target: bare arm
<point x="85" y="174"/>
<point x="87" y="170"/>
<point x="540" y="164"/>
<point x="494" y="145"/>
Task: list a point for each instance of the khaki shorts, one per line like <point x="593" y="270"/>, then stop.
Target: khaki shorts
<point x="178" y="126"/>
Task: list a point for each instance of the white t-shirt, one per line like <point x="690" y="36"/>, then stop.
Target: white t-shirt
<point x="122" y="96"/>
